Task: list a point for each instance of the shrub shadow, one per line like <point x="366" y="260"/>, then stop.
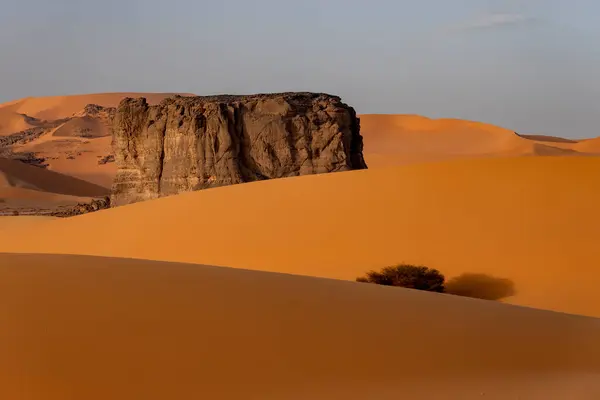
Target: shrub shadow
<point x="481" y="286"/>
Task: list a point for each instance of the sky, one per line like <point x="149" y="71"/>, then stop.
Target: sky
<point x="532" y="66"/>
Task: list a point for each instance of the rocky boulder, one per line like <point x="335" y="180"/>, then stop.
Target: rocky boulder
<point x="191" y="143"/>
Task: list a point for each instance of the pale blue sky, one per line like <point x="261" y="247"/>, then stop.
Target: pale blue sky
<point x="529" y="65"/>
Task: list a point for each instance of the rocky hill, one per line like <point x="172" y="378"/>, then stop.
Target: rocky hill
<point x="191" y="143"/>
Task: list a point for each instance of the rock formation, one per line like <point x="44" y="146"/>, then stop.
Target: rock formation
<point x="191" y="143"/>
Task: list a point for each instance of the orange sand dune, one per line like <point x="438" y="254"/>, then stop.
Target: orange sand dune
<point x="532" y="220"/>
<point x="550" y="139"/>
<point x="17" y="174"/>
<point x="76" y="157"/>
<point x="51" y="108"/>
<point x="11" y="122"/>
<point x="34" y="202"/>
<point x="589" y="146"/>
<point x="76" y="328"/>
<point x="9" y="222"/>
<point x="82" y="126"/>
<point x="402" y="139"/>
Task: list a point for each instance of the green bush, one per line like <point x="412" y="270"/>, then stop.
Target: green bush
<point x="407" y="276"/>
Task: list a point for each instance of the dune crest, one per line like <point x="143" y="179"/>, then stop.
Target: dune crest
<point x="589" y="146"/>
<point x="11" y="122"/>
<point x="404" y="139"/>
<point x="527" y="219"/>
<point x="57" y="107"/>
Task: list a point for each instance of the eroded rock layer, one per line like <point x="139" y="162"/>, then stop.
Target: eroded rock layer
<point x="192" y="143"/>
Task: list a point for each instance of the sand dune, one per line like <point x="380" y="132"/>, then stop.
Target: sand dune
<point x="549" y="139"/>
<point x="589" y="146"/>
<point x="82" y="126"/>
<point x="76" y="157"/>
<point x="11" y="122"/>
<point x="51" y="108"/>
<point x="17" y="174"/>
<point x="403" y="139"/>
<point x="10" y="222"/>
<point x="83" y="328"/>
<point x="532" y="220"/>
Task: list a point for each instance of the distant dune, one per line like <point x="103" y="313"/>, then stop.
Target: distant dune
<point x="51" y="108"/>
<point x="24" y="187"/>
<point x="532" y="220"/>
<point x="11" y="122"/>
<point x="17" y="174"/>
<point x="589" y="146"/>
<point x="95" y="329"/>
<point x="404" y="139"/>
<point x="549" y="139"/>
<point x="82" y="126"/>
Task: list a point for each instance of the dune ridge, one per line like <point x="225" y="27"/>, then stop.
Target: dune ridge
<point x="589" y="146"/>
<point x="526" y="219"/>
<point x="57" y="107"/>
<point x="396" y="139"/>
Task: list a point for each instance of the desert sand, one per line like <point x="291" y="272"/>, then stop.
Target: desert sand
<point x="76" y="157"/>
<point x="93" y="328"/>
<point x="11" y="122"/>
<point x="472" y="200"/>
<point x="10" y="222"/>
<point x="405" y="139"/>
<point x="589" y="145"/>
<point x="530" y="220"/>
<point x="24" y="187"/>
<point x="51" y="108"/>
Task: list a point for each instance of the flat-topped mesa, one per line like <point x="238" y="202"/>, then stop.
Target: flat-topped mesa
<point x="192" y="143"/>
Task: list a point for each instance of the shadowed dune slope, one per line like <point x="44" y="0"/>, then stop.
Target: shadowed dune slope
<point x="533" y="220"/>
<point x="51" y="108"/>
<point x="17" y="174"/>
<point x="82" y="126"/>
<point x="83" y="163"/>
<point x="11" y="122"/>
<point x="92" y="328"/>
<point x="402" y="139"/>
<point x="549" y="139"/>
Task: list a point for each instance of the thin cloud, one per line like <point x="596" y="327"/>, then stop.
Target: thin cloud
<point x="493" y="20"/>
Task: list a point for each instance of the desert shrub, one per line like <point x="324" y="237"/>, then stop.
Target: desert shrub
<point x="407" y="276"/>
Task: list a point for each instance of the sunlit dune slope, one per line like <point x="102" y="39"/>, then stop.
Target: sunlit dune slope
<point x="51" y="108"/>
<point x="402" y="139"/>
<point x="589" y="145"/>
<point x="9" y="222"/>
<point x="84" y="328"/>
<point x="533" y="220"/>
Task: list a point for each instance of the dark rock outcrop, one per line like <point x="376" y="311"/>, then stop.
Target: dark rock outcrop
<point x="83" y="208"/>
<point x="191" y="143"/>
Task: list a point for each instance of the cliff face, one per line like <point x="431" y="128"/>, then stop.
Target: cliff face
<point x="191" y="143"/>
